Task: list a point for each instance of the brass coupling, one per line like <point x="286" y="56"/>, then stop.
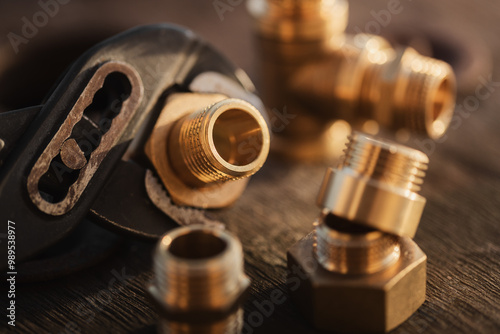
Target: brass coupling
<point x="376" y="184"/>
<point x="369" y="275"/>
<point x="203" y="146"/>
<point x="199" y="281"/>
<point x="321" y="75"/>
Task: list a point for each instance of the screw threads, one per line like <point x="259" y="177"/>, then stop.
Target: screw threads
<point x="227" y="140"/>
<point x="199" y="281"/>
<point x="199" y="268"/>
<point x="376" y="185"/>
<point x="196" y="149"/>
<point x="429" y="94"/>
<point x="403" y="89"/>
<point x="392" y="164"/>
<point x="346" y="248"/>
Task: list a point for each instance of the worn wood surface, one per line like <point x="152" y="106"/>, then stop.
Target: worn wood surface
<point x="459" y="230"/>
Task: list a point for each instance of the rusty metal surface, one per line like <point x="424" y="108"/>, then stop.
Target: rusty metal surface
<point x="108" y="136"/>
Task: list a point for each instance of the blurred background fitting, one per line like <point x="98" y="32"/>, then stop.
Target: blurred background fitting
<point x="322" y="75"/>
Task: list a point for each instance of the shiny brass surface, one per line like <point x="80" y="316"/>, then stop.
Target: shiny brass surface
<point x="362" y="272"/>
<point x="199" y="281"/>
<point x="367" y="79"/>
<point x="203" y="146"/>
<point x="376" y="184"/>
<point x="321" y="74"/>
<point x="348" y="303"/>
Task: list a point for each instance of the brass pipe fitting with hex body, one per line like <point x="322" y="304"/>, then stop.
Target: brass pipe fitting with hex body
<point x="205" y="146"/>
<point x="322" y="74"/>
<point x="368" y="275"/>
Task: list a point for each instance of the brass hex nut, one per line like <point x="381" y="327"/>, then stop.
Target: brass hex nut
<point x="345" y="303"/>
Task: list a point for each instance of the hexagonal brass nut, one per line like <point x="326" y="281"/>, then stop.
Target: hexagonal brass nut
<point x="357" y="303"/>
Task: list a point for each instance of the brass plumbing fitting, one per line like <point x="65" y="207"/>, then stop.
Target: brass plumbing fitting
<point x="376" y="184"/>
<point x="322" y="74"/>
<point x="199" y="281"/>
<point x="204" y="147"/>
<point x="364" y="272"/>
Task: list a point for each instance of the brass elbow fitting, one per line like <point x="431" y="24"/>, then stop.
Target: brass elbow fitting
<point x="363" y="271"/>
<point x="199" y="281"/>
<point x="321" y="75"/>
<point x="205" y="146"/>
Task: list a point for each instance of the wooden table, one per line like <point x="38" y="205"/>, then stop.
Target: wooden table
<point x="459" y="230"/>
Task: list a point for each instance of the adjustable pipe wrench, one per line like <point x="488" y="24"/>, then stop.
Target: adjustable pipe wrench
<point x="70" y="157"/>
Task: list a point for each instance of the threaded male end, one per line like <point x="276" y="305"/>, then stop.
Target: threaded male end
<point x="392" y="164"/>
<point x="426" y="104"/>
<point x="225" y="141"/>
<point x="376" y="185"/>
<point x="409" y="91"/>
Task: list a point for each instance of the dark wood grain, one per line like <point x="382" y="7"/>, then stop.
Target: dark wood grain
<point x="459" y="230"/>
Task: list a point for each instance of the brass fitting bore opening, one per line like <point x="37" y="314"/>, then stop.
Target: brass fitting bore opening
<point x="225" y="141"/>
<point x="376" y="185"/>
<point x="343" y="247"/>
<point x="199" y="268"/>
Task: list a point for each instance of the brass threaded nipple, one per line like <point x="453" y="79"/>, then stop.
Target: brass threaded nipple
<point x="227" y="140"/>
<point x="376" y="184"/>
<point x="199" y="268"/>
<point x="199" y="281"/>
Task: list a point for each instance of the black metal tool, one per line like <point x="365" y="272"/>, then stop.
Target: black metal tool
<point x="63" y="160"/>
